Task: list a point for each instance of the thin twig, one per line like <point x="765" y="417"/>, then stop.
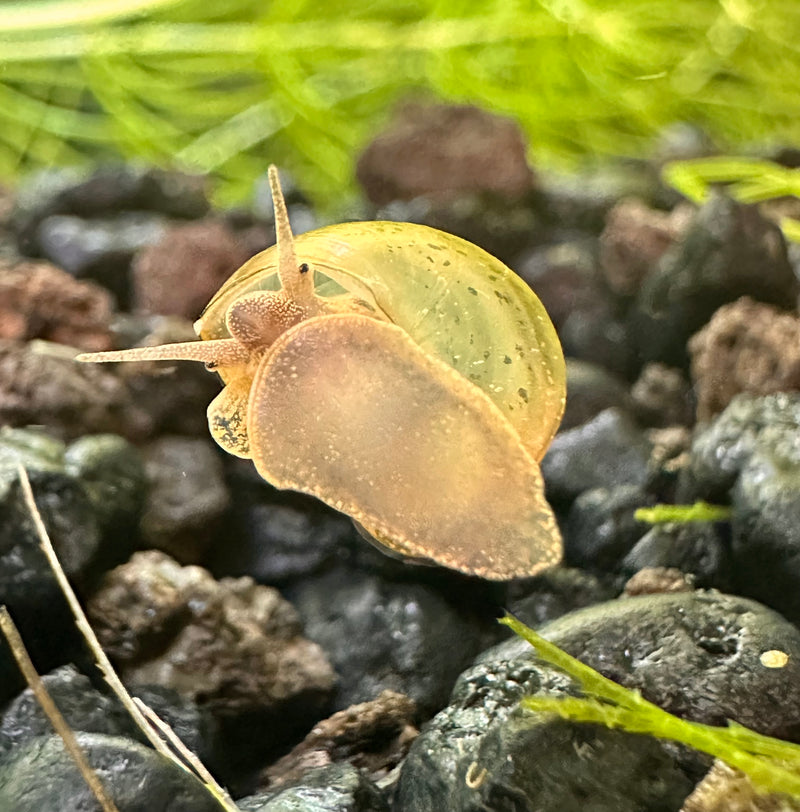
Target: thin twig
<point x="12" y="635"/>
<point x="103" y="663"/>
<point x="81" y="621"/>
<point x="172" y="737"/>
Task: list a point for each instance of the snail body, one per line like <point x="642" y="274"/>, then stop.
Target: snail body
<point x="402" y="375"/>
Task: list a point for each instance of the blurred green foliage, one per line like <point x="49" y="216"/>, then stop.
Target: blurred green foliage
<point x="746" y="180"/>
<point x="227" y="86"/>
<point x="771" y="765"/>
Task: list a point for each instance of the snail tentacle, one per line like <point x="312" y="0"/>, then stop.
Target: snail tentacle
<point x="296" y="282"/>
<point x="221" y="352"/>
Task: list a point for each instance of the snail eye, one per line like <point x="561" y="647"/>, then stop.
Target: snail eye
<point x="304" y="268"/>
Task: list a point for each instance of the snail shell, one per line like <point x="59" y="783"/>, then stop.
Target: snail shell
<point x="402" y="375"/>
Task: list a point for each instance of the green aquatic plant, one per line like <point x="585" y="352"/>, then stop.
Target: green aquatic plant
<point x="748" y="180"/>
<point x="682" y="514"/>
<point x="224" y="87"/>
<point x="771" y="765"/>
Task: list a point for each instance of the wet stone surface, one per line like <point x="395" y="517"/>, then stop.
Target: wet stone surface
<point x="337" y="788"/>
<point x="137" y="778"/>
<point x="380" y="635"/>
<point x="89" y="522"/>
<point x="729" y="250"/>
<point x="694" y="654"/>
<point x="483" y="752"/>
<point x="606" y="451"/>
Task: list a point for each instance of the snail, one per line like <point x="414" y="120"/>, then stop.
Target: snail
<point x="400" y="374"/>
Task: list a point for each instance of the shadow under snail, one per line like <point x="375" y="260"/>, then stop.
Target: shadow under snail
<point x="400" y="374"/>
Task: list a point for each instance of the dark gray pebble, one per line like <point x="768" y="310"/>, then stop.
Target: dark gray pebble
<point x="695" y="654"/>
<point x="700" y="549"/>
<point x="89" y="710"/>
<point x="104" y="191"/>
<point x="483" y="754"/>
<point x="41" y="777"/>
<point x="601" y="529"/>
<point x="590" y="390"/>
<point x="336" y="788"/>
<point x="565" y="276"/>
<point x="749" y="457"/>
<point x="187" y="496"/>
<point x="730" y="250"/>
<point x="276" y="536"/>
<point x="404" y="637"/>
<point x="557" y="591"/>
<point x="607" y="451"/>
<point x="83" y="707"/>
<point x="99" y="249"/>
<point x="89" y="495"/>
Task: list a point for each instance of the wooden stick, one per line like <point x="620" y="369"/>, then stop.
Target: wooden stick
<point x="103" y="663"/>
<point x="59" y="723"/>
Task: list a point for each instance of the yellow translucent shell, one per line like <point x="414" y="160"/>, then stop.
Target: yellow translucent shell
<point x="455" y="302"/>
<point x="418" y="400"/>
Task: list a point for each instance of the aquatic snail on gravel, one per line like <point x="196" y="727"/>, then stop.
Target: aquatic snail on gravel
<point x="398" y="373"/>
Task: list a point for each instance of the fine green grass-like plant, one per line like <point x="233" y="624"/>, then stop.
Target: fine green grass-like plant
<point x="226" y="87"/>
<point x="747" y="180"/>
<point x="683" y="514"/>
<point x="772" y="765"/>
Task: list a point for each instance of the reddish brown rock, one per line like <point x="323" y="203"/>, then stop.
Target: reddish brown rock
<point x="373" y="736"/>
<point x="39" y="300"/>
<point x="634" y="238"/>
<point x="443" y="152"/>
<point x="42" y="384"/>
<point x="231" y="644"/>
<point x="657" y="580"/>
<point x="746" y="347"/>
<point x="178" y="275"/>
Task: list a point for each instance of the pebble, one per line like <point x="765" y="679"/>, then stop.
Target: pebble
<point x="232" y="645"/>
<point x="695" y="654"/>
<point x="606" y="451"/>
<point x="99" y="249"/>
<point x="89" y="524"/>
<point x="483" y="753"/>
<point x="746" y="347"/>
<point x="442" y="151"/>
<point x="41" y="384"/>
<point x="634" y="239"/>
<point x="663" y="397"/>
<point x="277" y="537"/>
<point x="148" y="782"/>
<point x="728" y="251"/>
<point x="39" y="300"/>
<point x="404" y="637"/>
<point x="187" y="496"/>
<point x="701" y="549"/>
<point x="600" y="529"/>
<point x="178" y="274"/>
<point x="336" y="788"/>
<point x="590" y="390"/>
